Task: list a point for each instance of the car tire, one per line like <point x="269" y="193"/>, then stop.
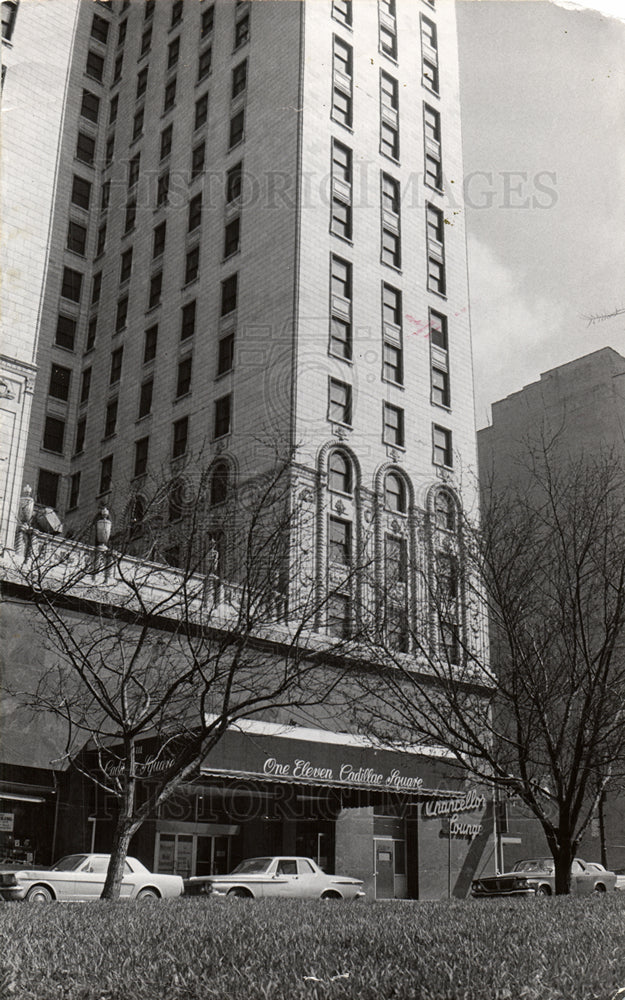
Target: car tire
<point x="239" y="893"/>
<point x="600" y="888"/>
<point x="146" y="895"/>
<point x="330" y="894"/>
<point x="39" y="894"/>
<point x="543" y="890"/>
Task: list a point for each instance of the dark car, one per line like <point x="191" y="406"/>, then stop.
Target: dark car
<point x="536" y="877"/>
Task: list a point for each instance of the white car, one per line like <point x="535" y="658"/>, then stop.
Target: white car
<point x="297" y="878"/>
<point x="80" y="878"/>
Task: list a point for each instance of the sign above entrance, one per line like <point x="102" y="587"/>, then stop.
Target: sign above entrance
<point x="345" y="774"/>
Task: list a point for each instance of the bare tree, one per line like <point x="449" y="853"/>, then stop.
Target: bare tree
<point x="543" y="716"/>
<point x="141" y="649"/>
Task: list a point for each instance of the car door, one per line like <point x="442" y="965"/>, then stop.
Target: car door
<point x="310" y="883"/>
<point x="89" y="878"/>
<point x="286" y="878"/>
<point x="582" y="880"/>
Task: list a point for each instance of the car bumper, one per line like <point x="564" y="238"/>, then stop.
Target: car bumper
<point x="12" y="892"/>
<point x="482" y="894"/>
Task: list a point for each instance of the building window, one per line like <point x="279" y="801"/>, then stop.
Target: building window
<point x="72" y="284"/>
<point x="192" y="265"/>
<point x="65" y="335"/>
<point x="54" y="435"/>
<point x="219" y="484"/>
<point x="180" y="435"/>
<point x="176" y="13"/>
<point x="442" y="449"/>
<point x="188" y="321"/>
<point x="208" y="20"/>
<point x="109" y="150"/>
<point x="440" y="386"/>
<point x="342" y="11"/>
<point x="9" y="16"/>
<point x="389" y="116"/>
<point x="156" y="285"/>
<point x="100" y="29"/>
<point x="121" y="33"/>
<point x="229" y="294"/>
<point x="158" y="243"/>
<point x="435" y="249"/>
<point x="223" y="413"/>
<point x="342" y="71"/>
<point x="201" y="111"/>
<point x="141" y="456"/>
<point x="183" y="383"/>
<point x="48" y="488"/>
<point x="444" y="511"/>
<point x="242" y="31"/>
<point x="106" y="474"/>
<point x="126" y="265"/>
<point x="96" y="287"/>
<point x="101" y="243"/>
<point x="446" y="577"/>
<point x="85" y="149"/>
<point x="131" y="215"/>
<point x="394" y="493"/>
<point x="95" y="66"/>
<point x="339" y="402"/>
<point x="74" y="491"/>
<point x="162" y="190"/>
<point x="204" y="64"/>
<point x="105" y="196"/>
<point x="170" y="95"/>
<point x="76" y="238"/>
<point x="146" y="41"/>
<point x="339" y="616"/>
<point x="393" y="426"/>
<point x="133" y="170"/>
<point x="110" y="420"/>
<point x="121" y="315"/>
<point x="137" y="126"/>
<point x="148" y="10"/>
<point x="340" y="542"/>
<point x="81" y="430"/>
<point x="233" y="183"/>
<point x="91" y="333"/>
<point x="391" y="240"/>
<point x="90" y="106"/>
<point x="60" y="379"/>
<point x="197" y="160"/>
<point x="225" y="355"/>
<point x="149" y="347"/>
<point x="340" y="308"/>
<point x="341" y="218"/>
<point x="116" y="365"/>
<point x="145" y="397"/>
<point x="340" y="473"/>
<point x="173" y="52"/>
<point x="166" y="141"/>
<point x="392" y="366"/>
<point x="195" y="213"/>
<point x="429" y="55"/>
<point x="387" y="28"/>
<point x="395" y="560"/>
<point x="237" y="123"/>
<point x="433" y="170"/>
<point x="231" y="237"/>
<point x="81" y="192"/>
<point x="85" y="385"/>
<point x="113" y="106"/>
<point x="239" y="79"/>
<point x="117" y="68"/>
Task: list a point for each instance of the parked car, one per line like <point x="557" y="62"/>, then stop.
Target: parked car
<point x="290" y="877"/>
<point x="536" y="877"/>
<point x="620" y="879"/>
<point x="80" y="877"/>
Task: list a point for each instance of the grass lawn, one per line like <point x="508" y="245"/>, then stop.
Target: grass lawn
<point x="195" y="949"/>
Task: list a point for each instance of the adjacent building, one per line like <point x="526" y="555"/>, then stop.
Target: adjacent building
<point x="249" y="245"/>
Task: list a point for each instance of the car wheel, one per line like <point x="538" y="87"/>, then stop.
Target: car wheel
<point x="39" y="894"/>
<point x="543" y="890"/>
<point x="148" y="894"/>
<point x="599" y="887"/>
<point x="239" y="893"/>
<point x="330" y="894"/>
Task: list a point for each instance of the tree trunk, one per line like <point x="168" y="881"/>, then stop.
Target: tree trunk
<point x="125" y="827"/>
<point x="563" y="849"/>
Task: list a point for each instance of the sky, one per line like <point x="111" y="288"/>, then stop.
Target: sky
<point x="543" y="104"/>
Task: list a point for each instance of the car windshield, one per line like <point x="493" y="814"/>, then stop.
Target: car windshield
<point x="70" y="863"/>
<point x="253" y="866"/>
<point x="536" y="865"/>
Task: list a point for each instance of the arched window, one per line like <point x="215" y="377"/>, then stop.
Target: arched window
<point x="340" y="473"/>
<point x="219" y="484"/>
<point x="444" y="511"/>
<point x="177" y="499"/>
<point x="395" y="493"/>
<point x="136" y="515"/>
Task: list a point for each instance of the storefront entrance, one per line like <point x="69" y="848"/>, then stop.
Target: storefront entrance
<point x="390" y="868"/>
<point x="189" y="854"/>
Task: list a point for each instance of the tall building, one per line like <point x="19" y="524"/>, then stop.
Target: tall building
<point x="256" y="245"/>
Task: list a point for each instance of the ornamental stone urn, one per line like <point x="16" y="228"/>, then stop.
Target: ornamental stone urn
<point x="103" y="526"/>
